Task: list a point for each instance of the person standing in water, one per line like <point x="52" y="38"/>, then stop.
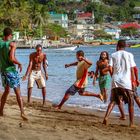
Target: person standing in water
<point x="9" y="74"/>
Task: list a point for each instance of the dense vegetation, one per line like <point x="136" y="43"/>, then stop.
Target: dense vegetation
<point x="32" y="15"/>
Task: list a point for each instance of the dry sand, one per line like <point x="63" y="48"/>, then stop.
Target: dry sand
<point x="70" y="123"/>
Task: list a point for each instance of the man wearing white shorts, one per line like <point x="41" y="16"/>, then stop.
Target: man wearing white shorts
<point x="38" y="77"/>
<point x="35" y="74"/>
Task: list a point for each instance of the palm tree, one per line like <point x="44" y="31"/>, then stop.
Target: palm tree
<point x="39" y="16"/>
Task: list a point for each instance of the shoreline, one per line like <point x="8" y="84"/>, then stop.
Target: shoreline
<point x="73" y="123"/>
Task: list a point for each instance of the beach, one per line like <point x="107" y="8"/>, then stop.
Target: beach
<point x="71" y="123"/>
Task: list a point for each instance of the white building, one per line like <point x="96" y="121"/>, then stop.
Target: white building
<point x="60" y="19"/>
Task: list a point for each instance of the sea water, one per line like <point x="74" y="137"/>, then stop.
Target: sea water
<point x="61" y="78"/>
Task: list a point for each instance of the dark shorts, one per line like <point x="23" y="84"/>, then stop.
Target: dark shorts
<point x="126" y="95"/>
<point x="11" y="79"/>
<point x="73" y="89"/>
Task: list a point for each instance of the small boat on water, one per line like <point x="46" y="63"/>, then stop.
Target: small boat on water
<point x="70" y="48"/>
<point x="135" y="46"/>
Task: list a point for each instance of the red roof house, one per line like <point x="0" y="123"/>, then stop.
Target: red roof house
<point x="130" y="25"/>
<point x="84" y="15"/>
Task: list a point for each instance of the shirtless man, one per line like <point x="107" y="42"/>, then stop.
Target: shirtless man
<point x="104" y="78"/>
<point x="35" y="74"/>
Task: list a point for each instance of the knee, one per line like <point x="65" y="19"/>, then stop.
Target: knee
<point x="7" y="90"/>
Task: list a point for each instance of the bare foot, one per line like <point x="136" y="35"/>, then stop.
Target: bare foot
<point x="105" y="121"/>
<point x="101" y="97"/>
<point x="122" y="118"/>
<point x="132" y="126"/>
<point x="44" y="104"/>
<point x="24" y="117"/>
<point x="56" y="106"/>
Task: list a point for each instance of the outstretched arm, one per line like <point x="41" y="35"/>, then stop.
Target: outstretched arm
<point x="71" y="64"/>
<point x="44" y="66"/>
<point x="12" y="55"/>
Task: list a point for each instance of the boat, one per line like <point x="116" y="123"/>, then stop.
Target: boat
<point x="70" y="48"/>
<point x="135" y="46"/>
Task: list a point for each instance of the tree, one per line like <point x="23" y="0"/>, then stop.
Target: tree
<point x="55" y="31"/>
<point x="39" y="16"/>
<point x="129" y="31"/>
<point x="101" y="34"/>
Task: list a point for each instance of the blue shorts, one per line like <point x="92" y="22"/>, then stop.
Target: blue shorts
<point x="73" y="89"/>
<point x="11" y="79"/>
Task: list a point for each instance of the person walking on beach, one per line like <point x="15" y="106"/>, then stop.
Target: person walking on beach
<point x="121" y="67"/>
<point x="9" y="75"/>
<point x="82" y="78"/>
<point x="37" y="59"/>
<point x="104" y="78"/>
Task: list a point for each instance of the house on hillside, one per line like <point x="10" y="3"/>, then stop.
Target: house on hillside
<point x="82" y="31"/>
<point x="60" y="19"/>
<point x="112" y="30"/>
<point x="85" y="18"/>
<point x="136" y="16"/>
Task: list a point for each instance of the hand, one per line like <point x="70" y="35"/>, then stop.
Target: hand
<point x="24" y="78"/>
<point x="81" y="58"/>
<point x="46" y="75"/>
<point x="20" y="67"/>
<point x="67" y="65"/>
<point x="138" y="83"/>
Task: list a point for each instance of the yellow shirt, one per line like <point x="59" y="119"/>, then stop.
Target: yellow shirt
<point x="82" y="74"/>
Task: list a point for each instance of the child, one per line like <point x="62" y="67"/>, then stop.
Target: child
<point x="104" y="78"/>
<point x="82" y="78"/>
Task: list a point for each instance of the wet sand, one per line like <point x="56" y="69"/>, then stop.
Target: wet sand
<point x="70" y="123"/>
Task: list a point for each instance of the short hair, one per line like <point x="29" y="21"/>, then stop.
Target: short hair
<point x="80" y="53"/>
<point x="7" y="31"/>
<point x="38" y="46"/>
<point x="121" y="44"/>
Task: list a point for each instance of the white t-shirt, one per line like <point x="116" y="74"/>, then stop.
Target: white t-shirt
<point x="122" y="61"/>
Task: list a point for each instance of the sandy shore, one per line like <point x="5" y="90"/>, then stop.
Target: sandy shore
<point x="70" y="123"/>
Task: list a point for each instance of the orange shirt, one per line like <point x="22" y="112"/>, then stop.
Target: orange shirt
<point x="82" y="74"/>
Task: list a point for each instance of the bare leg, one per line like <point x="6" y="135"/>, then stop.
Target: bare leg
<point x="65" y="98"/>
<point x="87" y="93"/>
<point x="20" y="103"/>
<point x="29" y="94"/>
<point x="131" y="114"/>
<point x="104" y="93"/>
<point x="120" y="106"/>
<point x="137" y="100"/>
<point x="44" y="95"/>
<point x="109" y="109"/>
<point x="3" y="99"/>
